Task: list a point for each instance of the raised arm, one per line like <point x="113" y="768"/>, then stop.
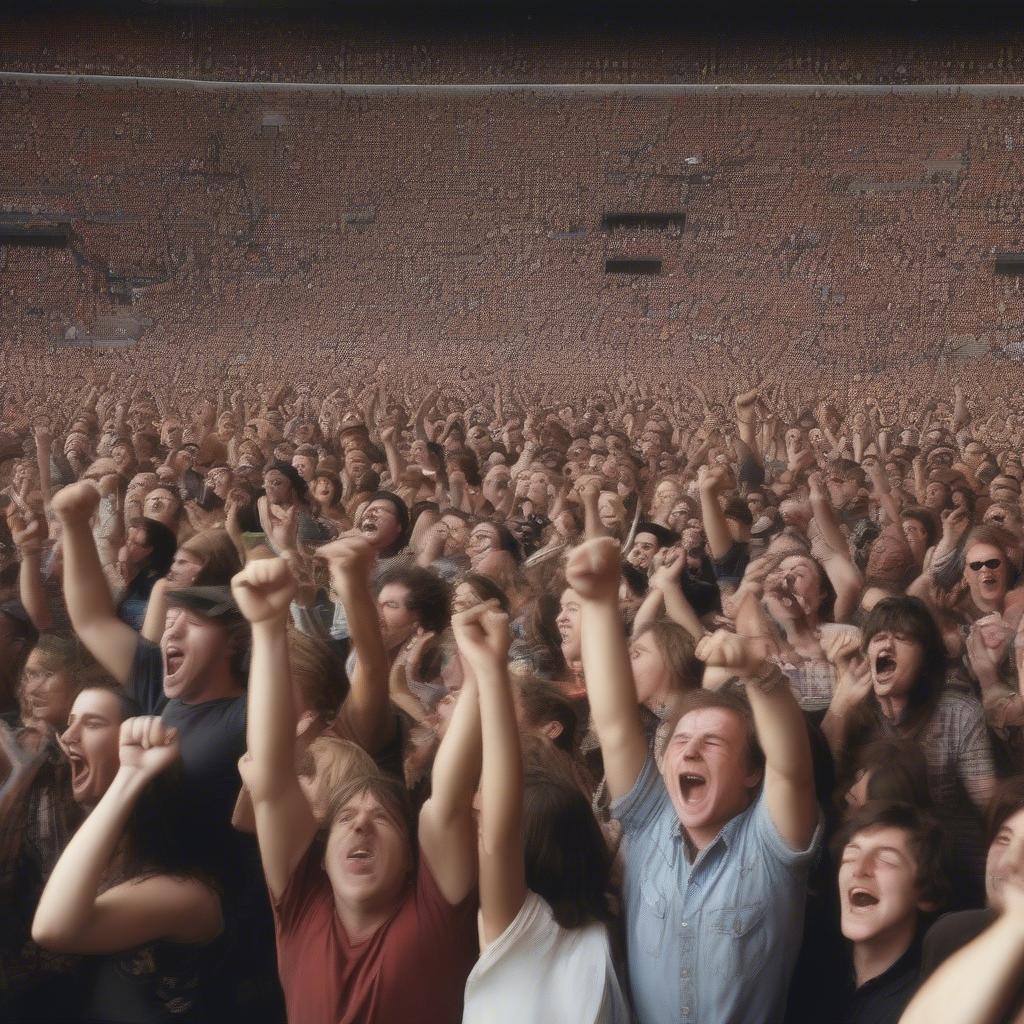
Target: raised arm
<point x="482" y="635"/>
<point x="448" y="832"/>
<point x="589" y="490"/>
<point x="367" y="709"/>
<point x="781" y="731"/>
<point x="28" y="538"/>
<point x="711" y="482"/>
<point x="73" y="918"/>
<point x="396" y="465"/>
<point x="91" y="608"/>
<point x="285" y="825"/>
<point x="593" y="570"/>
<point x="980" y="983"/>
<point x="746" y="420"/>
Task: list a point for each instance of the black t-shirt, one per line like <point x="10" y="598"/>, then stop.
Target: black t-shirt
<point x="704" y="597"/>
<point x="882" y="1000"/>
<point x="950" y="933"/>
<point x="729" y="569"/>
<point x="211" y="736"/>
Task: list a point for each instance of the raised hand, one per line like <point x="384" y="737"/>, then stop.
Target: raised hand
<point x="76" y="503"/>
<point x="841" y="646"/>
<point x="147" y="746"/>
<point x="412" y="652"/>
<point x="482" y="636"/>
<point x="264" y="589"/>
<point x="669" y="567"/>
<point x="594" y="569"/>
<point x="283" y="527"/>
<point x="740" y="654"/>
<point x="348" y="558"/>
<point x="955" y="523"/>
<point x="27" y="536"/>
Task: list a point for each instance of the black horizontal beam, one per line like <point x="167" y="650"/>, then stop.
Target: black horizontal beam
<point x="634" y="266"/>
<point x="652" y="221"/>
<point x="50" y="237"/>
<point x="1009" y="262"/>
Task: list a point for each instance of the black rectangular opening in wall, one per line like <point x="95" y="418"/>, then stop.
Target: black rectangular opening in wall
<point x="641" y="266"/>
<point x="649" y="221"/>
<point x="55" y="237"/>
<point x="1009" y="263"/>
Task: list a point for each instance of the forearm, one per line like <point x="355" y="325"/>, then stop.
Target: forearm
<point x="501" y="781"/>
<point x="457" y="762"/>
<point x="43" y="463"/>
<point x="31" y="592"/>
<point x="681" y="611"/>
<point x="156" y="613"/>
<point x="715" y="526"/>
<point x="846" y="581"/>
<point x="367" y="706"/>
<point x="977" y="984"/>
<point x="592" y="525"/>
<point x="612" y="694"/>
<point x="270" y="724"/>
<point x="649" y="611"/>
<point x="834" y="726"/>
<point x="395" y="463"/>
<point x="825" y="517"/>
<point x="781" y="730"/>
<point x="85" y="587"/>
<point x="69" y="899"/>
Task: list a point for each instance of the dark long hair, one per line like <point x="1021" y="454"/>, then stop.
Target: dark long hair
<point x="567" y="858"/>
<point x="164" y="544"/>
<point x="911" y="617"/>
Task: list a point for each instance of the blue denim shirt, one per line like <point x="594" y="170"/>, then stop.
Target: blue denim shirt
<point x="713" y="941"/>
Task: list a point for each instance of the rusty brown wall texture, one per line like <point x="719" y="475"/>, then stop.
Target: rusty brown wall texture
<point x="824" y="232"/>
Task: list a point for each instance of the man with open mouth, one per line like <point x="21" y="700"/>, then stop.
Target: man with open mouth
<point x="890" y="882"/>
<point x="719" y="843"/>
<point x="195" y="680"/>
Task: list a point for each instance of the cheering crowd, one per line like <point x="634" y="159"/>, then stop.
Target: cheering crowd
<point x="357" y="706"/>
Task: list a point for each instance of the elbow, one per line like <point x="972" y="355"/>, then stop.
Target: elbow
<point x="49" y="935"/>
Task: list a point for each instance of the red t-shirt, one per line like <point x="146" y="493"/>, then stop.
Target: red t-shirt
<point x="412" y="969"/>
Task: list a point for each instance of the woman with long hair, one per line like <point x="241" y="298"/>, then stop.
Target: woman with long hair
<point x="145" y="557"/>
<point x="544" y="867"/>
<point x="38" y="816"/>
<point x="128" y="889"/>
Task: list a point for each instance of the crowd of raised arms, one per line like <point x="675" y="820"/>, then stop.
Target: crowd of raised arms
<point x="356" y="707"/>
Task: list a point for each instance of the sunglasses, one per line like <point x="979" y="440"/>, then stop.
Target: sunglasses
<point x="990" y="563"/>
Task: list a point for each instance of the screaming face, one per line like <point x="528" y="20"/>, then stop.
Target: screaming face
<point x="895" y="661"/>
<point x="707" y="771"/>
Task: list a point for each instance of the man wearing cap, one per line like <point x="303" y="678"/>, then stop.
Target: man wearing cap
<point x="194" y="679"/>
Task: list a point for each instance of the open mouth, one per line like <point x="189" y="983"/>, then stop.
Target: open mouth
<point x="360" y="860"/>
<point x="692" y="786"/>
<point x="861" y="898"/>
<point x="989" y="582"/>
<point x="885" y="666"/>
<point x="79" y="770"/>
<point x="173" y="658"/>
